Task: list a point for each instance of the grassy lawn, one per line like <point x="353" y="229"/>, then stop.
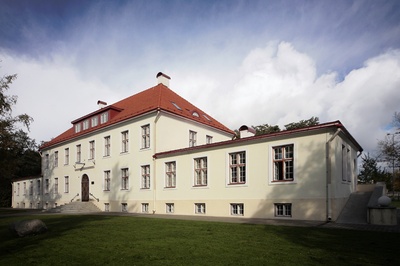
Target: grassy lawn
<point x="112" y="240"/>
<point x="395" y="203"/>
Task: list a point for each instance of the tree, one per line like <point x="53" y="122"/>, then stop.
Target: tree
<point x="370" y="172"/>
<point x="266" y="129"/>
<point x="313" y="121"/>
<point x="18" y="153"/>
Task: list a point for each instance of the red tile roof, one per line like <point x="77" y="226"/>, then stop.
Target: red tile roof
<point x="158" y="97"/>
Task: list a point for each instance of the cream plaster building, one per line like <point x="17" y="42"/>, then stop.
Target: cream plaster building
<point x="155" y="152"/>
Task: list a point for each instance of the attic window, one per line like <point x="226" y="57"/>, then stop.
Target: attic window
<point x="195" y="114"/>
<point x="206" y="117"/>
<point x="177" y="106"/>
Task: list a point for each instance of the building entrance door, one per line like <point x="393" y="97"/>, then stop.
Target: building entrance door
<point x="85" y="188"/>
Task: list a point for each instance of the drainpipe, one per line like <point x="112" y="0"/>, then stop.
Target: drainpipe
<point x="329" y="176"/>
<point x="155" y="161"/>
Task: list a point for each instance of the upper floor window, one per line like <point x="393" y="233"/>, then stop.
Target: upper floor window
<point x="38" y="187"/>
<point x="24" y="188"/>
<point x="146" y="176"/>
<point x="170" y="174"/>
<point x="94" y="121"/>
<point x="92" y="149"/>
<point x="107" y="180"/>
<point x="209" y="139"/>
<point x="85" y="124"/>
<point x="46" y="186"/>
<point x="56" y="185"/>
<point x="346" y="176"/>
<point x="200" y="171"/>
<point x="77" y="128"/>
<point x="145" y="136"/>
<point x="103" y="118"/>
<point x="18" y="188"/>
<point x="46" y="161"/>
<point x="124" y="144"/>
<point x="124" y="178"/>
<point x="107" y="146"/>
<point x="56" y="159"/>
<point x="66" y="156"/>
<point x="31" y="188"/>
<point x="78" y="153"/>
<point x="66" y="184"/>
<point x="192" y="138"/>
<point x="283" y="163"/>
<point x="237" y="168"/>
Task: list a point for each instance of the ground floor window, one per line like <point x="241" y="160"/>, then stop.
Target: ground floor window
<point x="237" y="209"/>
<point x="106" y="207"/>
<point x="200" y="208"/>
<point x="124" y="207"/>
<point x="169" y="208"/>
<point x="283" y="209"/>
<point x="145" y="207"/>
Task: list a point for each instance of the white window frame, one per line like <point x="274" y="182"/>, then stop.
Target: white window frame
<point x="31" y="188"/>
<point x="92" y="150"/>
<point x="85" y="124"/>
<point x="38" y="187"/>
<point x="145" y="177"/>
<point x="200" y="208"/>
<point x="192" y="138"/>
<point x="283" y="209"/>
<point x="106" y="207"/>
<point x="346" y="166"/>
<point x="145" y="136"/>
<point x="94" y="121"/>
<point x="124" y="207"/>
<point x="145" y="208"/>
<point x="237" y="164"/>
<point x="124" y="178"/>
<point x="169" y="207"/>
<point x="125" y="141"/>
<point x="24" y="188"/>
<point x="77" y="127"/>
<point x="107" y="146"/>
<point x="200" y="171"/>
<point x="46" y="186"/>
<point x="47" y="161"/>
<point x="56" y="159"/>
<point x="18" y="187"/>
<point x="104" y="118"/>
<point x="66" y="156"/>
<point x="56" y="185"/>
<point x="237" y="209"/>
<point x="170" y="174"/>
<point x="209" y="139"/>
<point x="66" y="184"/>
<point x="107" y="180"/>
<point x="78" y="153"/>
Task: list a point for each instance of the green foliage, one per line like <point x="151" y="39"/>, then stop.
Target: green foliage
<point x="127" y="240"/>
<point x="313" y="121"/>
<point x="370" y="172"/>
<point x="266" y="129"/>
<point x="18" y="156"/>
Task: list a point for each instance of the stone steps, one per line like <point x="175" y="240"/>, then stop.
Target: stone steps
<point x="76" y="207"/>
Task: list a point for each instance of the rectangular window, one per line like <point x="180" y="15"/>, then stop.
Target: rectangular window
<point x="106" y="207"/>
<point x="18" y="185"/>
<point x="92" y="150"/>
<point x="31" y="188"/>
<point x="145" y="207"/>
<point x="124" y="144"/>
<point x="66" y="184"/>
<point x="103" y="118"/>
<point x="24" y="188"/>
<point x="237" y="168"/>
<point x="146" y="176"/>
<point x="124" y="178"/>
<point x="77" y="128"/>
<point x="283" y="163"/>
<point x="85" y="124"/>
<point x="209" y="139"/>
<point x="200" y="171"/>
<point x="56" y="185"/>
<point x="170" y="174"/>
<point x="237" y="209"/>
<point x="38" y="187"/>
<point x="46" y="186"/>
<point x="94" y="121"/>
<point x="46" y="162"/>
<point x="346" y="169"/>
<point x="66" y="156"/>
<point x="169" y="208"/>
<point x="107" y="180"/>
<point x="283" y="209"/>
<point x="200" y="208"/>
<point x="192" y="138"/>
<point x="78" y="153"/>
<point x="107" y="145"/>
<point x="56" y="159"/>
<point x="124" y="207"/>
<point x="146" y="137"/>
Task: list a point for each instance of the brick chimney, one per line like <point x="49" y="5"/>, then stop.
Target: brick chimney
<point x="163" y="79"/>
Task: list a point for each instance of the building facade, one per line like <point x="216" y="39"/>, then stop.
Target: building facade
<point x="155" y="152"/>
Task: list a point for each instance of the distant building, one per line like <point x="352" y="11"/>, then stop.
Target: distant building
<point x="155" y="152"/>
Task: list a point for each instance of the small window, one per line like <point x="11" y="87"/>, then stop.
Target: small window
<point x="103" y="118"/>
<point x="106" y="207"/>
<point x="176" y="106"/>
<point x="206" y="117"/>
<point x="94" y="121"/>
<point x="209" y="139"/>
<point x="237" y="209"/>
<point x="283" y="209"/>
<point x="192" y="138"/>
<point x="196" y="114"/>
<point x="77" y="128"/>
<point x="200" y="208"/>
<point x="169" y="208"/>
<point x="124" y="207"/>
<point x="145" y="207"/>
<point x="85" y="124"/>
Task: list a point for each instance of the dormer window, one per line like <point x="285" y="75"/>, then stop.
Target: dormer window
<point x="103" y="118"/>
<point x="85" y="124"/>
<point x="95" y="121"/>
<point x="206" y="117"/>
<point x="196" y="114"/>
<point x="177" y="106"/>
<point x="77" y="128"/>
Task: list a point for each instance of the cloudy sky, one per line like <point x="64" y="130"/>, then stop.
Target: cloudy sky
<point x="243" y="62"/>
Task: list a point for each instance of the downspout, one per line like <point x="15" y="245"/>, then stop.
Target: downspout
<point x="329" y="176"/>
<point x="155" y="161"/>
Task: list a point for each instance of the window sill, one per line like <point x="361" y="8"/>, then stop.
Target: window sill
<point x="200" y="186"/>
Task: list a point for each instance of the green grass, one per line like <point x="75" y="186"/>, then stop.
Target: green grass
<point x="395" y="203"/>
<point x="123" y="240"/>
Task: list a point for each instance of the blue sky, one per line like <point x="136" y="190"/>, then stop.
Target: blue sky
<point x="243" y="62"/>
